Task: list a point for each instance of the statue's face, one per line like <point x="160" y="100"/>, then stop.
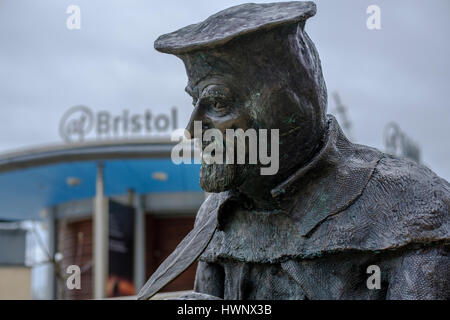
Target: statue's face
<point x="236" y="88"/>
<point x="218" y="104"/>
<point x="226" y="101"/>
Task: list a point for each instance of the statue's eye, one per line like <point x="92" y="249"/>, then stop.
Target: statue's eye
<point x="214" y="104"/>
<point x="219" y="106"/>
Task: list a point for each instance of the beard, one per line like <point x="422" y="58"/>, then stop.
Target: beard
<point x="220" y="177"/>
<point x="217" y="177"/>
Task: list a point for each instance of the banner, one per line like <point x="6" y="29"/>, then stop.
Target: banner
<point x="121" y="251"/>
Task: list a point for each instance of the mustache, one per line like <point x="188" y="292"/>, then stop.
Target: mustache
<point x="212" y="148"/>
<point x="202" y="144"/>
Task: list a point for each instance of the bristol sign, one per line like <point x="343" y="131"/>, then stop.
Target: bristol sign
<point x="80" y="122"/>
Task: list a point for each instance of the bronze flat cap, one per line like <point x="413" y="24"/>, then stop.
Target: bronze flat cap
<point x="232" y="23"/>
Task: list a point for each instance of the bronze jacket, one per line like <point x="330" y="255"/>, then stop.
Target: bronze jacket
<point x="350" y="210"/>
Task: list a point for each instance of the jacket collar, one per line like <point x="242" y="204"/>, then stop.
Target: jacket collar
<point x="329" y="183"/>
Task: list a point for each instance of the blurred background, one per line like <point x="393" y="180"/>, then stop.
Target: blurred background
<point x="87" y="107"/>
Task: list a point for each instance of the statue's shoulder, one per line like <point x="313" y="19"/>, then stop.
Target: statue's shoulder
<point x="404" y="181"/>
<point x="403" y="203"/>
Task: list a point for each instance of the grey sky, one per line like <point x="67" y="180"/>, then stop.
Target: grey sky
<point x="397" y="73"/>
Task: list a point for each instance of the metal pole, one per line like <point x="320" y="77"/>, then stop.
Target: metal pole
<point x="139" y="242"/>
<point x="100" y="235"/>
<point x="50" y="224"/>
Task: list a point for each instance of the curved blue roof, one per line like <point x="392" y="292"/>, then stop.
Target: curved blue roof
<point x="34" y="180"/>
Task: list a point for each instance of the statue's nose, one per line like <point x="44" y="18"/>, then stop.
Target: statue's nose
<point x="197" y="115"/>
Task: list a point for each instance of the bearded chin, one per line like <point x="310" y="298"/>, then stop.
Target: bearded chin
<point x="217" y="177"/>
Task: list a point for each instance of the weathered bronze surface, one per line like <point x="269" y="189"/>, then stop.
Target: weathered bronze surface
<point x="333" y="209"/>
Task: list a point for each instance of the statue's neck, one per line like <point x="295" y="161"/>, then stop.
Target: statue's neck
<point x="264" y="191"/>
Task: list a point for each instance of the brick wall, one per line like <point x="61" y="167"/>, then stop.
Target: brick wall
<point x="75" y="244"/>
<point x="162" y="237"/>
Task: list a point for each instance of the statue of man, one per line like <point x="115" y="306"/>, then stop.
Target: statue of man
<point x="338" y="220"/>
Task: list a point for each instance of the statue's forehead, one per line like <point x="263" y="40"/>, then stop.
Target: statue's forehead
<point x="236" y="63"/>
<point x="200" y="64"/>
<point x="203" y="70"/>
<point x="196" y="86"/>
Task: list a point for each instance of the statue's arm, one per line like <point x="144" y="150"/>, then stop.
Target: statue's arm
<point x="421" y="275"/>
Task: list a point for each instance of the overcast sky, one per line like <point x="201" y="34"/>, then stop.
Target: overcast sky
<point x="399" y="73"/>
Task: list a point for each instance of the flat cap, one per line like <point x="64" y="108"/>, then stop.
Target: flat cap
<point x="234" y="22"/>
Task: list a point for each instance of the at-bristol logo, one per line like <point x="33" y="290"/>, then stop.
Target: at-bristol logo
<point x="80" y="122"/>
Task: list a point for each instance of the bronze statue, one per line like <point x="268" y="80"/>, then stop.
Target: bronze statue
<point x="333" y="212"/>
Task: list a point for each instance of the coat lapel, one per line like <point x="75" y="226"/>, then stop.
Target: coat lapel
<point x="189" y="249"/>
